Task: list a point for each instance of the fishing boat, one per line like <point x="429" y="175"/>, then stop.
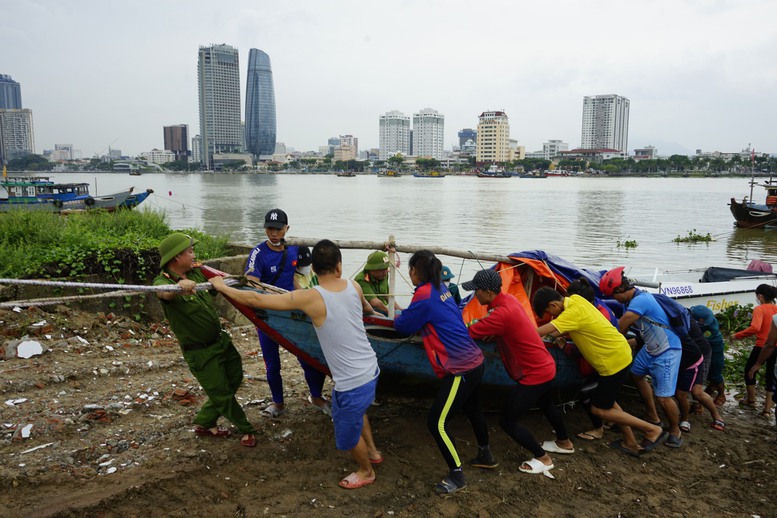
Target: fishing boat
<point x="346" y="174"/>
<point x="494" y="171"/>
<point x="429" y="174"/>
<point x="39" y="193"/>
<point x="749" y="214"/>
<point x="393" y="174"/>
<point x="533" y="174"/>
<point x="404" y="356"/>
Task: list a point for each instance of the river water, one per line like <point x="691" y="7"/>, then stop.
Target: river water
<point x="580" y="219"/>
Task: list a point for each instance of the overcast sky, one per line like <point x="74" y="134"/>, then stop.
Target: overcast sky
<point x="698" y="73"/>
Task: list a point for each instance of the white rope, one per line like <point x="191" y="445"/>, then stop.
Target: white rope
<point x="99" y="285"/>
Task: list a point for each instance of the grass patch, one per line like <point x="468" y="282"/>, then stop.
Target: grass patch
<point x="694" y="237"/>
<point x="119" y="245"/>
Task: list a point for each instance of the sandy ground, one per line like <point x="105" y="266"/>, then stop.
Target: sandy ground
<point x="111" y="403"/>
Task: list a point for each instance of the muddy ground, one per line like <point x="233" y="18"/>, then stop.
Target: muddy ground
<point x="111" y="403"/>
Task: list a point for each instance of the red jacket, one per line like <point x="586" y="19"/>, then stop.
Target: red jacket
<point x="523" y="352"/>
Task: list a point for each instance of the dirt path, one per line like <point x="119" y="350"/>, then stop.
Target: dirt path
<point x="114" y="439"/>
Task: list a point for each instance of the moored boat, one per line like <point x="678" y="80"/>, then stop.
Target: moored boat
<point x="494" y="171"/>
<point x="429" y="174"/>
<point x="749" y="214"/>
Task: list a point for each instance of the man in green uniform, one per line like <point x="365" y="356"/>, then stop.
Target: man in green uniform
<point x="207" y="349"/>
<point x="374" y="281"/>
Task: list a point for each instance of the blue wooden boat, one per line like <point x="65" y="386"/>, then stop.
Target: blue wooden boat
<point x="39" y="193"/>
<point x="398" y="354"/>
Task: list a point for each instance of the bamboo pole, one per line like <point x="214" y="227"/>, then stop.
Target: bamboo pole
<point x="392" y="278"/>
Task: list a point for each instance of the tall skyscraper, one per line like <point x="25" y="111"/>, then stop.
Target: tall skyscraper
<point x="177" y="140"/>
<point x="394" y="134"/>
<point x="428" y="133"/>
<point x="493" y="139"/>
<point x="605" y="123"/>
<point x="10" y="93"/>
<point x="260" y="130"/>
<point x="467" y="134"/>
<point x="218" y="80"/>
<point x="16" y="134"/>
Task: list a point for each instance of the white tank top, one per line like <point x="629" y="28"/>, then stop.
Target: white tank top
<point x="343" y="339"/>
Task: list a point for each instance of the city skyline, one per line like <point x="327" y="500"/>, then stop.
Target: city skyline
<point x="700" y="82"/>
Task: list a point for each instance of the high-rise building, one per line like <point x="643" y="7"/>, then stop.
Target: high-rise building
<point x="605" y="123"/>
<point x="493" y="138"/>
<point x="467" y="134"/>
<point x="197" y="149"/>
<point x="10" y="93"/>
<point x="16" y="134"/>
<point x="260" y="120"/>
<point x="394" y="134"/>
<point x="353" y="142"/>
<point x="177" y="140"/>
<point x="428" y="133"/>
<point x="218" y="79"/>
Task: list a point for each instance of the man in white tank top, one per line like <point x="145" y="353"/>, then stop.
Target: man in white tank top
<point x="336" y="307"/>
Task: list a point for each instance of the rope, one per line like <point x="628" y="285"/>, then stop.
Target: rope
<point x="60" y="300"/>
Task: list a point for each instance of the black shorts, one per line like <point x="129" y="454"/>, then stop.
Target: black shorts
<point x="609" y="388"/>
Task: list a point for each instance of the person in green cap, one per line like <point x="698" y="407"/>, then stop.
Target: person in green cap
<point x="446" y="276"/>
<point x="374" y="283"/>
<point x="206" y="347"/>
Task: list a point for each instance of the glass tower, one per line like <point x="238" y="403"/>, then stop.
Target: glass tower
<point x="218" y="74"/>
<point x="10" y="93"/>
<point x="260" y="105"/>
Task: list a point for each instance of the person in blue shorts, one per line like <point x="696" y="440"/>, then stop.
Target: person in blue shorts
<point x="335" y="307"/>
<point x="659" y="357"/>
<point x="273" y="262"/>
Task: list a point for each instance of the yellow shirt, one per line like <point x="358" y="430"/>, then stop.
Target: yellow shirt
<point x="603" y="346"/>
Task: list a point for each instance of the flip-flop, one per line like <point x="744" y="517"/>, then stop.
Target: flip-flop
<point x="325" y="409"/>
<point x="249" y="441"/>
<point x="648" y="445"/>
<point x="377" y="461"/>
<point x="588" y="437"/>
<point x="220" y="432"/>
<point x="447" y="486"/>
<point x="618" y="445"/>
<point x="673" y="441"/>
<point x="272" y="411"/>
<point x="353" y="481"/>
<point x="719" y="425"/>
<point x="685" y="426"/>
<point x="536" y="467"/>
<point x="552" y="447"/>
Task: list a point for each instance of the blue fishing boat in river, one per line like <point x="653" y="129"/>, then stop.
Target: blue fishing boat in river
<point x="39" y="193"/>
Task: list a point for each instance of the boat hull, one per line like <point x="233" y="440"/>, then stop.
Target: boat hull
<point x="751" y="215"/>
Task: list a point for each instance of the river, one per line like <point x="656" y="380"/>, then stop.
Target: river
<point x="584" y="220"/>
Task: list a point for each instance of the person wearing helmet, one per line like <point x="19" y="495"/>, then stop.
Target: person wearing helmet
<point x="207" y="349"/>
<point x="273" y="262"/>
<point x="304" y="277"/>
<point x="373" y="280"/>
<point x="660" y="356"/>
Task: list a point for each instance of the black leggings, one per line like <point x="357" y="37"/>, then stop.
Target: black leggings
<point x="770" y="380"/>
<point x="522" y="398"/>
<point x="457" y="392"/>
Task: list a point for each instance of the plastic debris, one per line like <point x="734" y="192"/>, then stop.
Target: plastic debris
<point x="29" y="348"/>
<point x="14" y="402"/>
<point x="26" y="431"/>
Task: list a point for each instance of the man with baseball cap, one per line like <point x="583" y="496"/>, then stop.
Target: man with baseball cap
<point x="528" y="362"/>
<point x="374" y="283"/>
<point x="206" y="347"/>
<point x="273" y="262"/>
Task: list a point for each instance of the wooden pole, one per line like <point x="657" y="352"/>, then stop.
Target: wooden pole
<point x="392" y="278"/>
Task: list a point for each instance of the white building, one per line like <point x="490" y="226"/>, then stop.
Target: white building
<point x="428" y="134"/>
<point x="197" y="149"/>
<point x="158" y="156"/>
<point x="394" y="134"/>
<point x="16" y="134"/>
<point x="605" y="123"/>
<point x="646" y="153"/>
<point x="550" y="149"/>
<point x="493" y="138"/>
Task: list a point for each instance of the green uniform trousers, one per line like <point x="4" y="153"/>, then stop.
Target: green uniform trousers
<point x="219" y="369"/>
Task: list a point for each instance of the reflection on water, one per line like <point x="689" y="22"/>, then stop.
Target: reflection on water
<point x="579" y="219"/>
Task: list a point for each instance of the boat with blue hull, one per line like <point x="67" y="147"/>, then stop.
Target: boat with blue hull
<point x="42" y="194"/>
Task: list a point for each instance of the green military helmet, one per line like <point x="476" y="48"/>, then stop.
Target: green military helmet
<point x="377" y="261"/>
<point x="173" y="245"/>
<point x="446" y="274"/>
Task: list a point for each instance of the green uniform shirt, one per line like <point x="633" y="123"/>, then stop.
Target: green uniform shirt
<point x="192" y="318"/>
<point x="373" y="288"/>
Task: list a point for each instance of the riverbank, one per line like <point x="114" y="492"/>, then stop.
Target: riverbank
<point x="110" y="405"/>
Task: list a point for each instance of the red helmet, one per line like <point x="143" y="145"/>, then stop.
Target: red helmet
<point x="611" y="280"/>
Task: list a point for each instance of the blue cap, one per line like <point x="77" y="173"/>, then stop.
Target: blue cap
<point x="447" y="274"/>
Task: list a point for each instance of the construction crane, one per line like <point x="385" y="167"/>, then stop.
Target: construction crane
<point x="98" y="155"/>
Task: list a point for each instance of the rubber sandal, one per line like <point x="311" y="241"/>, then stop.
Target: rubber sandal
<point x="353" y="481"/>
<point x="746" y="403"/>
<point x="377" y="461"/>
<point x="448" y="486"/>
<point x="648" y="445"/>
<point x="618" y="445"/>
<point x="536" y="467"/>
<point x="325" y="409"/>
<point x="685" y="426"/>
<point x="220" y="432"/>
<point x="249" y="441"/>
<point x="673" y="441"/>
<point x="719" y="425"/>
<point x="272" y="411"/>
<point x="552" y="447"/>
<point x="588" y="436"/>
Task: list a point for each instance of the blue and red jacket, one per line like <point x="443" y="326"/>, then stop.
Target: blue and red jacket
<point x="446" y="339"/>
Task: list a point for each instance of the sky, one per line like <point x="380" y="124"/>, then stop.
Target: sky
<point x="700" y="74"/>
